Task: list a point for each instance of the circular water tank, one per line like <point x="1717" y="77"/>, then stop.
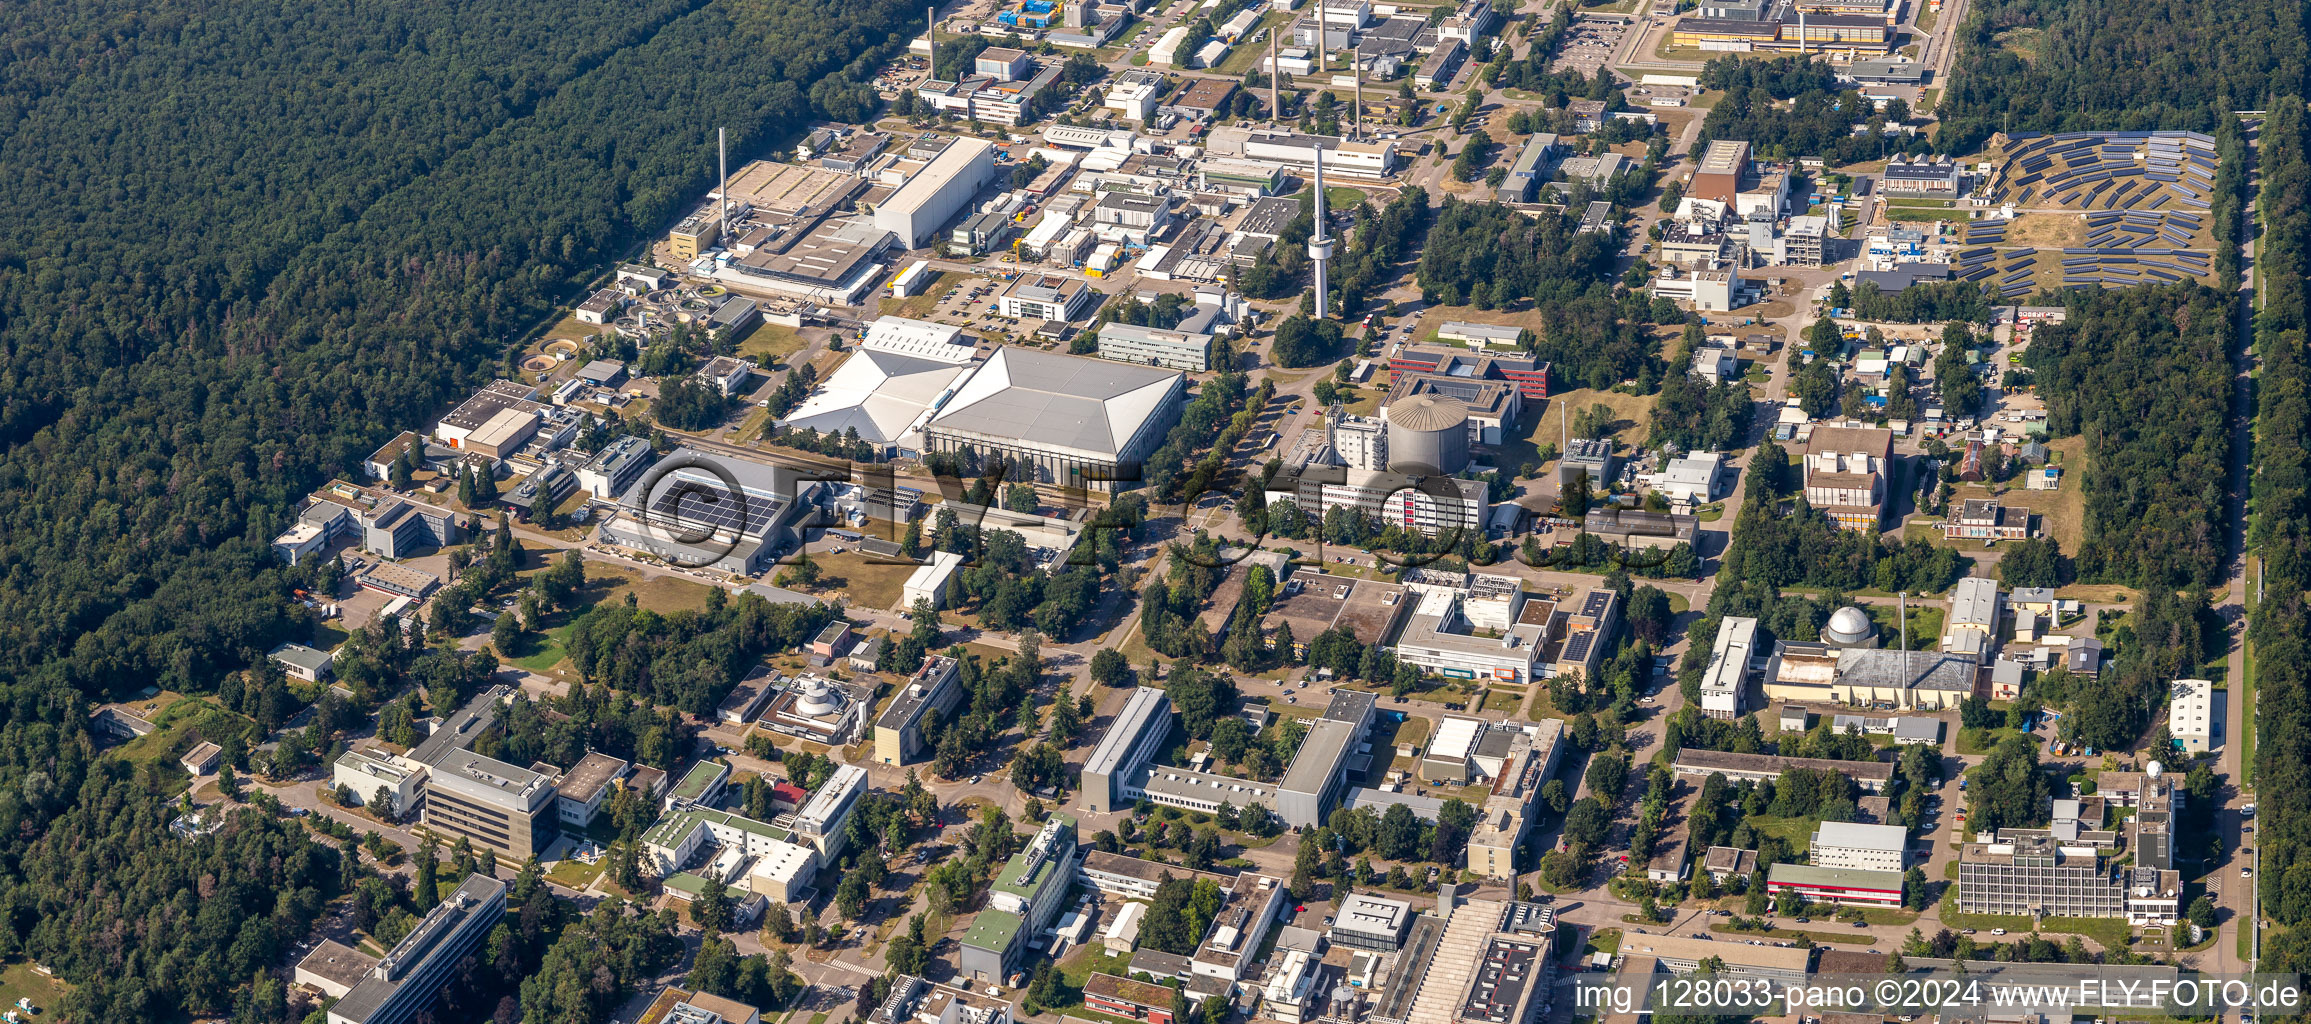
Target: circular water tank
<point x="1850" y="627"/>
<point x="1428" y="433"/>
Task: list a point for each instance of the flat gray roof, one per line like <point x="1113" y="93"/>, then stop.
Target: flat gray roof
<point x="1145" y="703"/>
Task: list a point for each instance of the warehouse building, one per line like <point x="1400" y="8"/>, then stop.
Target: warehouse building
<point x="938" y="193"/>
<point x="1071" y="420"/>
<point x="693" y="520"/>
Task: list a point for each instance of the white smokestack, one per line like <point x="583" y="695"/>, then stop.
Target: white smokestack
<point x="722" y="160"/>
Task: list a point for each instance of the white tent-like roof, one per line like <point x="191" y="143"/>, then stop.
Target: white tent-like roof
<point x="884" y="394"/>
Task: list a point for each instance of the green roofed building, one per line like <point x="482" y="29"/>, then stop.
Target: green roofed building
<point x="994" y="945"/>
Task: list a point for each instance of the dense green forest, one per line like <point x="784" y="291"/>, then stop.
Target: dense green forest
<point x="1490" y="255"/>
<point x="248" y="244"/>
<point x="1793" y="106"/>
<point x="2145" y="376"/>
<point x="2076" y="65"/>
<point x="2281" y="534"/>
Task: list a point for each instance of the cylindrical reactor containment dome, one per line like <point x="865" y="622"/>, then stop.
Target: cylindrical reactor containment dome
<point x="1429" y="432"/>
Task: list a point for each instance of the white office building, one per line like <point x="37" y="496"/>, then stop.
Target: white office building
<point x="2191" y="714"/>
<point x="1727" y="677"/>
<point x="1845" y="844"/>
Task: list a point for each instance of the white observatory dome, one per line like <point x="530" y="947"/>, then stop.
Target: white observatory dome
<point x="1849" y="627"/>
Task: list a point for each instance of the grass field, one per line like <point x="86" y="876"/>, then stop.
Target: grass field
<point x="1243" y="56"/>
<point x="574" y="873"/>
<point x="919" y="306"/>
<point x="1632" y="420"/>
<point x="607" y="582"/>
<point x="2061" y="512"/>
<point x="770" y="344"/>
<point x="861" y="578"/>
<point x="19" y="981"/>
<point x="1925" y="624"/>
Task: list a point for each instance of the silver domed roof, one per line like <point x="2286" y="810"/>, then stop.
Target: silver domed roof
<point x="1849" y="625"/>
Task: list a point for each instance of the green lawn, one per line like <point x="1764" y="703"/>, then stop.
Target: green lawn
<point x="1797" y="832"/>
<point x="2106" y="932"/>
<point x="770" y="344"/>
<point x="1604" y="940"/>
<point x="1971" y="741"/>
<point x="1243" y="56"/>
<point x="919" y="306"/>
<point x="19" y="981"/>
<point x="574" y="873"/>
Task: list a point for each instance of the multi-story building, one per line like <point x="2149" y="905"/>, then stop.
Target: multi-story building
<point x="2190" y="714"/>
<point x="1151" y="346"/>
<point x="996" y="92"/>
<point x="1926" y="176"/>
<point x="1124" y="997"/>
<point x="1845" y="844"/>
<point x="1802" y="244"/>
<point x="1727" y="677"/>
<point x="1429" y="504"/>
<point x="367" y="774"/>
<point x="1110" y="774"/>
<point x="915" y="1001"/>
<point x="1529" y="375"/>
<point x="616" y="467"/>
<point x="389" y="526"/>
<point x="510" y="809"/>
<point x="1845" y="474"/>
<point x="585" y="786"/>
<point x="1130" y="878"/>
<point x="1035" y="881"/>
<point x="1718" y="176"/>
<point x="700" y="785"/>
<point x="412" y="974"/>
<point x="1530" y="759"/>
<point x="1305" y="796"/>
<point x="933" y="690"/>
<point x="820" y="821"/>
<point x="2038" y="876"/>
<point x="1369" y="921"/>
<point x="1048" y="297"/>
<point x="1236" y="931"/>
<point x="1983" y="519"/>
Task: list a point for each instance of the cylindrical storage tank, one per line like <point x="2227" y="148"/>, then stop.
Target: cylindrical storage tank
<point x="1428" y="433"/>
